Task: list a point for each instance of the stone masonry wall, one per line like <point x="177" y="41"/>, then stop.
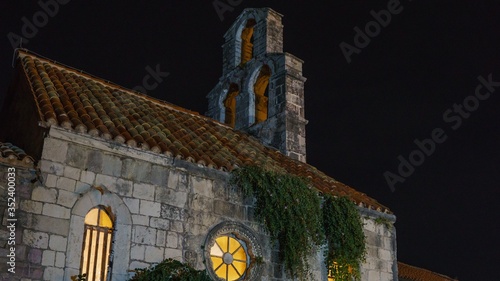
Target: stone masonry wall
<point x="164" y="208"/>
<point x="381" y="257"/>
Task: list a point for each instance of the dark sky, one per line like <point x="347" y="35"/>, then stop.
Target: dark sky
<point x="362" y="115"/>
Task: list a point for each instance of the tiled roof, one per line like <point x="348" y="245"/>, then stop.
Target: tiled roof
<point x="86" y="104"/>
<point x="414" y="273"/>
<point x="13" y="155"/>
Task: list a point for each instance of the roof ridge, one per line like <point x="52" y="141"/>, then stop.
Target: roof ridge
<point x="107" y="83"/>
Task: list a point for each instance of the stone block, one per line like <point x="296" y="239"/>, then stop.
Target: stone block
<point x="170" y="196"/>
<point x="43" y="194"/>
<point x="161" y="237"/>
<point x="48" y="258"/>
<point x="82" y="187"/>
<point x="55" y="150"/>
<point x="50" y="224"/>
<point x="87" y="177"/>
<point x="56" y="211"/>
<point x="52" y="273"/>
<point x="60" y="259"/>
<point x="155" y="254"/>
<point x="144" y="191"/>
<point x="150" y="208"/>
<point x="177" y="180"/>
<point x="172" y="212"/>
<point x="31" y="206"/>
<point x="384" y="254"/>
<point x="159" y="223"/>
<point x="49" y="167"/>
<point x="201" y="186"/>
<point x="35" y="256"/>
<point x="66" y="198"/>
<point x="50" y="180"/>
<point x="228" y="209"/>
<point x="66" y="184"/>
<point x="144" y="235"/>
<point x="138" y="265"/>
<point x="77" y="155"/>
<point x="176" y="226"/>
<point x="201" y="203"/>
<point x="369" y="225"/>
<point x="111" y="165"/>
<point x="58" y="243"/>
<point x="172" y="240"/>
<point x="132" y="204"/>
<point x="122" y="187"/>
<point x="159" y="175"/>
<point x="175" y="254"/>
<point x="72" y="173"/>
<point x="137" y="252"/>
<point x="35" y="239"/>
<point x="136" y="170"/>
<point x="140" y="220"/>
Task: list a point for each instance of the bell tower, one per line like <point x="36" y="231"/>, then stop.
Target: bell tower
<point x="261" y="90"/>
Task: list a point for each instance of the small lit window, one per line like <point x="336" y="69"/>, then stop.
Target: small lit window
<point x="230" y="104"/>
<point x="261" y="94"/>
<point x="338" y="268"/>
<point x="97" y="240"/>
<point x="229" y="258"/>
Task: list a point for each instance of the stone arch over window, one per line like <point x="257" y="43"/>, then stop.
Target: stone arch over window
<point x="230" y="105"/>
<point x="231" y="249"/>
<point x="247" y="39"/>
<point x="261" y="91"/>
<point x="100" y="199"/>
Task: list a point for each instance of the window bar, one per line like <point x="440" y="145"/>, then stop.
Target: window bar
<point x="105" y="232"/>
<point x="89" y="247"/>
<point x="96" y="254"/>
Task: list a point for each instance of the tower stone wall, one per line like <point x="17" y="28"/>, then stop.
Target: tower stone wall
<point x="282" y="125"/>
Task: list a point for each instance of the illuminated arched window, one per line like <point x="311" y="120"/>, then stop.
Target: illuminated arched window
<point x="260" y="89"/>
<point x="230" y="105"/>
<point x="97" y="240"/>
<point x="247" y="41"/>
<point x="229" y="258"/>
<point x="339" y="272"/>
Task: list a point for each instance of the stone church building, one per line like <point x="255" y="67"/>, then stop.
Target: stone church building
<point x="107" y="180"/>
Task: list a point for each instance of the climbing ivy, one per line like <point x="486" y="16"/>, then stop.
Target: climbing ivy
<point x="344" y="237"/>
<point x="170" y="270"/>
<point x="294" y="216"/>
<point x="289" y="210"/>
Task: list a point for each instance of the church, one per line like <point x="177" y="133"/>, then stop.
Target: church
<point x="106" y="180"/>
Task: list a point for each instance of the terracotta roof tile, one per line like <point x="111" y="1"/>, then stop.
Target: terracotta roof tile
<point x="13" y="155"/>
<point x="419" y="274"/>
<point x="86" y="104"/>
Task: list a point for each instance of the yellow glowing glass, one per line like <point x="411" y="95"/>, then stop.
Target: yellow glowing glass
<point x="97" y="244"/>
<point x="229" y="258"/>
<point x="98" y="217"/>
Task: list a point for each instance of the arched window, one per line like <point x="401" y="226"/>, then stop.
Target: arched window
<point x="229" y="258"/>
<point x="230" y="105"/>
<point x="97" y="238"/>
<point x="247" y="41"/>
<point x="260" y="89"/>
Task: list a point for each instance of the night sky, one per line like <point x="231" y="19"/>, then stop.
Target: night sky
<point x="415" y="79"/>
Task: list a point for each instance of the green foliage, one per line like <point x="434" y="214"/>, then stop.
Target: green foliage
<point x="344" y="236"/>
<point x="384" y="221"/>
<point x="290" y="211"/>
<point x="79" y="277"/>
<point x="170" y="270"/>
